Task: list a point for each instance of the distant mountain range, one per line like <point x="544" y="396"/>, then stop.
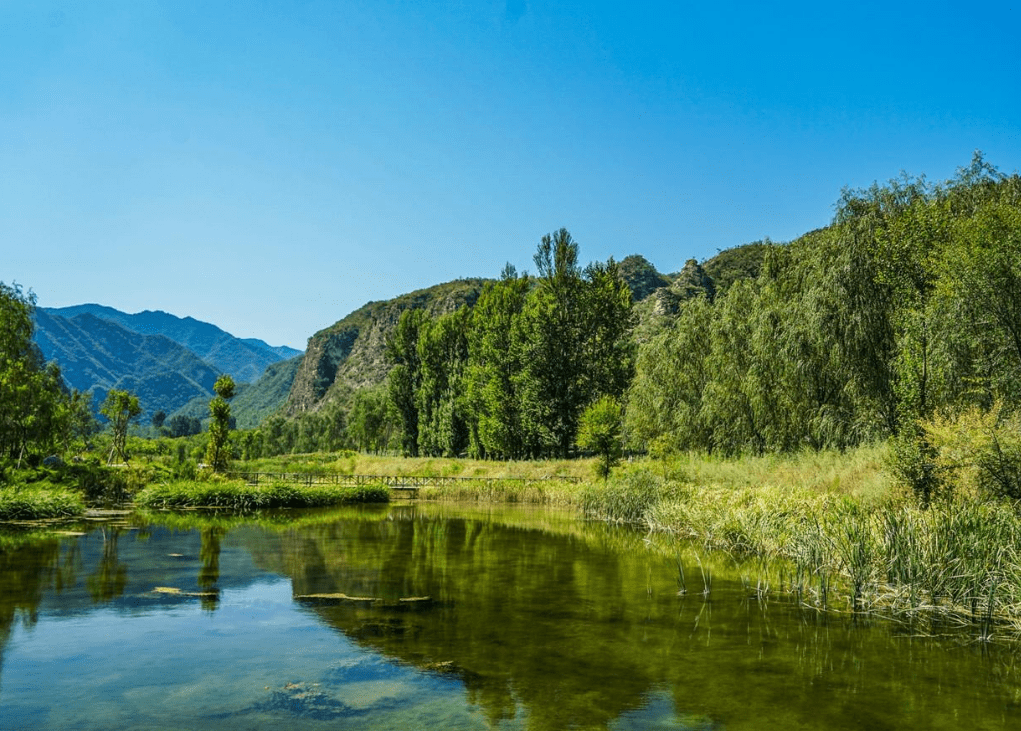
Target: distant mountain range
<point x="167" y="361"/>
<point x="244" y="359"/>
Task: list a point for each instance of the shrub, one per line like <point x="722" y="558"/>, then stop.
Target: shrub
<point x="625" y="499"/>
<point x="913" y="461"/>
<point x="979" y="449"/>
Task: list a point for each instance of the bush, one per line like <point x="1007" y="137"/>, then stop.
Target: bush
<point x="913" y="461"/>
<point x="979" y="449"/>
<point x="625" y="499"/>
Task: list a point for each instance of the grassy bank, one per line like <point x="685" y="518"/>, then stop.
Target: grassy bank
<point x="832" y="528"/>
<point x="39" y="501"/>
<point x="835" y="531"/>
<point x="354" y="463"/>
<point x="237" y="495"/>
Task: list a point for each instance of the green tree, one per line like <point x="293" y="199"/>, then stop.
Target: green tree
<point x="441" y="400"/>
<point x="550" y="382"/>
<point x="495" y="353"/>
<point x="372" y="421"/>
<point x="80" y="422"/>
<point x="664" y="408"/>
<point x="218" y="453"/>
<point x="184" y="426"/>
<point x="32" y="394"/>
<point x="599" y="431"/>
<point x="121" y="408"/>
<point x="405" y="375"/>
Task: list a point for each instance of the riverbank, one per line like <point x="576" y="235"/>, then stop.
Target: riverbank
<point x="39" y="501"/>
<point x="839" y="534"/>
<point x="832" y="528"/>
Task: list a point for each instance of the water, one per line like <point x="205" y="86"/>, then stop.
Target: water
<point x="517" y="619"/>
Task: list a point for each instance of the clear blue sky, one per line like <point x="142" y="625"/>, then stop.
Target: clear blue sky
<point x="271" y="166"/>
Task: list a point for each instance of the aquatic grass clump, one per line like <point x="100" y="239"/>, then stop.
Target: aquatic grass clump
<point x="40" y="500"/>
<point x="957" y="559"/>
<point x="627" y="498"/>
<point x="236" y="495"/>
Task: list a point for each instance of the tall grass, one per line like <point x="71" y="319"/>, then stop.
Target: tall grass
<point x="553" y="493"/>
<point x="40" y="500"/>
<point x="839" y="543"/>
<point x="354" y="463"/>
<point x="237" y="495"/>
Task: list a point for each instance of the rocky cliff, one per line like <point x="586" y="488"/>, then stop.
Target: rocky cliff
<point x="350" y="354"/>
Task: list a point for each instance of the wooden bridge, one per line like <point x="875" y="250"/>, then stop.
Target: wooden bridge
<point x="410" y="484"/>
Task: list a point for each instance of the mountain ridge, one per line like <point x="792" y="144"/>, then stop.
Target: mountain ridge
<point x="244" y="359"/>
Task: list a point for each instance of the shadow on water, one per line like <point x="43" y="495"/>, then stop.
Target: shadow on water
<point x="535" y="619"/>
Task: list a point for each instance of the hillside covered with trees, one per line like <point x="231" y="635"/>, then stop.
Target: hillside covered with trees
<point x="901" y="319"/>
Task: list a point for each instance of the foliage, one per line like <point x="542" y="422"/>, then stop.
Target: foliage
<point x="372" y="422"/>
<point x="34" y="408"/>
<point x="183" y="426"/>
<point x="39" y="501"/>
<point x="405" y="375"/>
<point x="239" y="496"/>
<point x="905" y="307"/>
<point x="495" y="346"/>
<point x="978" y="450"/>
<point x="626" y="499"/>
<point x="120" y="408"/>
<point x="599" y="431"/>
<point x="512" y="378"/>
<point x="736" y="264"/>
<point x="641" y="276"/>
<point x="217" y="454"/>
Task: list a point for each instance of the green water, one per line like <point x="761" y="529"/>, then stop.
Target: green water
<point x="524" y="619"/>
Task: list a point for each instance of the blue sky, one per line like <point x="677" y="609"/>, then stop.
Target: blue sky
<point x="271" y="166"/>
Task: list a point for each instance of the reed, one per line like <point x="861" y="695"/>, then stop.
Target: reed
<point x="355" y="463"/>
<point x="857" y="549"/>
<point x="40" y="500"/>
<point x="552" y="493"/>
<point x="237" y="495"/>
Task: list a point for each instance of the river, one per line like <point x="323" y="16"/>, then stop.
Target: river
<point x="425" y="616"/>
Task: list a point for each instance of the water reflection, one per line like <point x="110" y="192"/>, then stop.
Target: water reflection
<point x="210" y="573"/>
<point x="111" y="575"/>
<point x="531" y="619"/>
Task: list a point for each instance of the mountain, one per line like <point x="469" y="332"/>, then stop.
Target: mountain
<point x="253" y="402"/>
<point x="641" y="277"/>
<point x="98" y="355"/>
<point x="244" y="359"/>
<point x="283" y="351"/>
<point x="349" y="355"/>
